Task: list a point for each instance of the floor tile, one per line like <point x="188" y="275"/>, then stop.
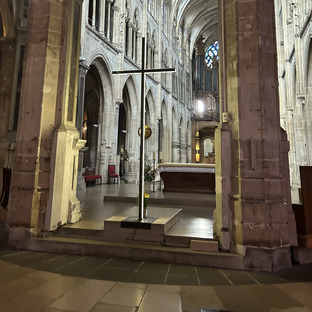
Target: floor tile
<point x="123" y="264"/>
<point x="301" y="292"/>
<point x="181" y="275"/>
<point x="194" y="298"/>
<point x="57" y="287"/>
<point x="182" y="280"/>
<point x="26" y="258"/>
<point x="103" y="307"/>
<point x="111" y="274"/>
<point x="25" y="303"/>
<point x="239" y="298"/>
<point x="83" y="297"/>
<point x="4" y="265"/>
<point x="14" y="272"/>
<point x="148" y="277"/>
<point x="164" y="288"/>
<point x="209" y="277"/>
<point x="179" y="269"/>
<point x="239" y="277"/>
<point x="43" y="275"/>
<point x="83" y="267"/>
<point x="154" y="267"/>
<point x="124" y="295"/>
<point x="135" y="285"/>
<point x="11" y="289"/>
<point x="266" y="278"/>
<point x="154" y="301"/>
<point x="56" y="262"/>
<point x="273" y="297"/>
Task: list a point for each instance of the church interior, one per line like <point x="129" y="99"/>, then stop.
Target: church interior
<point x="223" y="89"/>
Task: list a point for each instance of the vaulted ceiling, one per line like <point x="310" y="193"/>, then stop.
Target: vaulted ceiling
<point x="197" y="18"/>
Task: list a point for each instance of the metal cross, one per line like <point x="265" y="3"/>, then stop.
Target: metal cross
<point x="142" y="71"/>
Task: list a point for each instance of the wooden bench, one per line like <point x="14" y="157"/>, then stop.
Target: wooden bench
<point x="91" y="179"/>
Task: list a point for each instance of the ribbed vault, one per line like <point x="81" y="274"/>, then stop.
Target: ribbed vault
<point x="198" y="18"/>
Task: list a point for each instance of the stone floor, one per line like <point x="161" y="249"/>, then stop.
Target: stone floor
<point x="36" y="281"/>
<point x="197" y="214"/>
<point x="47" y="282"/>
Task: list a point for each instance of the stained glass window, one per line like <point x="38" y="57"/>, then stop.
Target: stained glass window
<point x="212" y="54"/>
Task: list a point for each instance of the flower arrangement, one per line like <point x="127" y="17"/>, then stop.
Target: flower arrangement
<point x="146" y="196"/>
<point x="149" y="173"/>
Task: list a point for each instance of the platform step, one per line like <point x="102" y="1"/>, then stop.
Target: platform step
<point x="181" y="202"/>
<point x="136" y="251"/>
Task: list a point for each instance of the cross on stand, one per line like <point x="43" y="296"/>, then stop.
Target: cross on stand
<point x="142" y="71"/>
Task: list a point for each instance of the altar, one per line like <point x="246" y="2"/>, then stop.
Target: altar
<point x="188" y="177"/>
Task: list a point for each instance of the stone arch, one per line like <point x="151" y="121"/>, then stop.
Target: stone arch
<point x="92" y="123"/>
<point x="132" y="109"/>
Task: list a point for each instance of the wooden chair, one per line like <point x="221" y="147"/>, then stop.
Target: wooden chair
<point x="112" y="173"/>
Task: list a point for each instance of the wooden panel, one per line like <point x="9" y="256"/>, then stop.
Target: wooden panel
<point x="306" y="187"/>
<point x="188" y="182"/>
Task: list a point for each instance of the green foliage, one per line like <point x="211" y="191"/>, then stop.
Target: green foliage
<point x="149" y="173"/>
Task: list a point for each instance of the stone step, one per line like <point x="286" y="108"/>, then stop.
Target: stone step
<point x="136" y="251"/>
<point x="125" y="227"/>
<point x="183" y="241"/>
<point x="181" y="201"/>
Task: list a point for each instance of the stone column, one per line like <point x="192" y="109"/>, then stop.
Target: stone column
<point x="45" y="170"/>
<point x="81" y="185"/>
<point x="251" y="216"/>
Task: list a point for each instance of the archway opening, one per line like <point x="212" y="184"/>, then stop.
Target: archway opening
<point x="90" y="129"/>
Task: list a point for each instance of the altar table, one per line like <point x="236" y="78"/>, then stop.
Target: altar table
<point x="188" y="177"/>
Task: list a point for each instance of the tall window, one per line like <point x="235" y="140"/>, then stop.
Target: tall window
<point x="135" y="36"/>
<point x="151" y="6"/>
<point x="164" y="16"/>
<point x="109" y="19"/>
<point x="90" y="12"/>
<point x="212" y="55"/>
<point x="180" y="45"/>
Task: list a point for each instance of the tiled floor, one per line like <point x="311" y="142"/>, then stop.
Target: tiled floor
<point x="32" y="281"/>
<point x="43" y="282"/>
<point x="197" y="219"/>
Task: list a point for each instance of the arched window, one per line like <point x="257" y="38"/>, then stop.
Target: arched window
<point x="148" y="50"/>
<point x="127" y="29"/>
<point x="212" y="55"/>
<point x="109" y="19"/>
<point x="174" y="34"/>
<point x="153" y="48"/>
<point x="135" y="34"/>
<point x="180" y="45"/>
<point x="164" y="64"/>
<point x="151" y="6"/>
<point x="164" y="16"/>
<point x="90" y="12"/>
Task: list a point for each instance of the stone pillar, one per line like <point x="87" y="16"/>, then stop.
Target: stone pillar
<point x="130" y="34"/>
<point x="81" y="185"/>
<point x="175" y="152"/>
<point x="43" y="190"/>
<point x="251" y="216"/>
